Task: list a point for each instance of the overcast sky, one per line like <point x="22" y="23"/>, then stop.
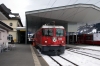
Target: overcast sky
<point x="21" y="6"/>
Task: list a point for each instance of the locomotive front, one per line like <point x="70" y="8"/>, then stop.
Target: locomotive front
<point x="53" y="40"/>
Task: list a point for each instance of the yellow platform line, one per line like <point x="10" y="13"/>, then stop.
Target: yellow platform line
<point x="36" y="61"/>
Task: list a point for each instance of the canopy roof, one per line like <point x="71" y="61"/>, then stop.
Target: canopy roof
<point x="21" y="28"/>
<point x="76" y="13"/>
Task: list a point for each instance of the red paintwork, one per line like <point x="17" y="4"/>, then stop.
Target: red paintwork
<point x="82" y="39"/>
<point x="40" y="39"/>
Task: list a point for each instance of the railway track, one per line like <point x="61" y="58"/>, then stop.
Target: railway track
<point x="86" y="54"/>
<point x="96" y="53"/>
<point x="73" y="57"/>
<point x="82" y="48"/>
<point x="72" y="63"/>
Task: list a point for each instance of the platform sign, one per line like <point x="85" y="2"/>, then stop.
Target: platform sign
<point x="29" y="32"/>
<point x="96" y="37"/>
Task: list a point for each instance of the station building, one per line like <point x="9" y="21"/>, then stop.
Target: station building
<point x="13" y="20"/>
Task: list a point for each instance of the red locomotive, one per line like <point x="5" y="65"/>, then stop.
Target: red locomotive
<point x="51" y="39"/>
<point x="93" y="39"/>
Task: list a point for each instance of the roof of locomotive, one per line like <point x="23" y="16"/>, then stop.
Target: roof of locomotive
<point x="52" y="26"/>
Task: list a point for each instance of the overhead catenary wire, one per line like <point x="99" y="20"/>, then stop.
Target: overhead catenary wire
<point x="51" y="11"/>
<point x="51" y="7"/>
<point x="64" y="11"/>
<point x="46" y="7"/>
<point x="77" y="9"/>
<point x="38" y="12"/>
<point x="81" y="10"/>
<point x="76" y="12"/>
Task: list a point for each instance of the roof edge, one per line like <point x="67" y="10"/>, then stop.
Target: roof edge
<point x="63" y="7"/>
<point x="5" y="25"/>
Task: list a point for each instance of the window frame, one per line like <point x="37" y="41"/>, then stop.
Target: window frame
<point x="61" y="34"/>
<point x="11" y="24"/>
<point x="47" y="32"/>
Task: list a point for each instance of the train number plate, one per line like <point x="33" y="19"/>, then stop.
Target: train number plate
<point x="59" y="38"/>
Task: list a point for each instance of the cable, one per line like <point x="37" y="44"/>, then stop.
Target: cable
<point x="51" y="11"/>
<point x="45" y="13"/>
<point x="65" y="10"/>
<point x="46" y="7"/>
<point x="51" y="7"/>
<point x="82" y="10"/>
<point x="78" y="9"/>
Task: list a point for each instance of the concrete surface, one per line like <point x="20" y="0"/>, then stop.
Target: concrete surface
<point x="21" y="55"/>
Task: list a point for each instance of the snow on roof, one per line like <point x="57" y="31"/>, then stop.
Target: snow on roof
<point x="49" y="26"/>
<point x="18" y="28"/>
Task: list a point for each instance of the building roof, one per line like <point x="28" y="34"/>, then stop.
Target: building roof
<point x="5" y="26"/>
<point x="50" y="26"/>
<point x="76" y="13"/>
<point x="6" y="11"/>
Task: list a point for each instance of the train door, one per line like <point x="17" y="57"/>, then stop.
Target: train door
<point x="72" y="38"/>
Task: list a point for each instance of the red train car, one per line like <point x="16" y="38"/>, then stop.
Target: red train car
<point x="51" y="39"/>
<point x="93" y="39"/>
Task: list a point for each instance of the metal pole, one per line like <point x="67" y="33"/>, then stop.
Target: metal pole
<point x="26" y="31"/>
<point x="76" y="36"/>
<point x="68" y="38"/>
<point x="73" y="37"/>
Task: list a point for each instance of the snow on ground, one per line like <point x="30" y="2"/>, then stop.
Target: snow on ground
<point x="81" y="60"/>
<point x="92" y="47"/>
<point x="89" y="54"/>
<point x="53" y="63"/>
<point x="48" y="60"/>
<point x="86" y="46"/>
<point x="97" y="53"/>
<point x="62" y="61"/>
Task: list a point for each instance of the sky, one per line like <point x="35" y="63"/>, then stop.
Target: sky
<point x="21" y="6"/>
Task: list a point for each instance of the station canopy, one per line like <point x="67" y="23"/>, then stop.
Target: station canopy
<point x="77" y="13"/>
<point x="21" y="28"/>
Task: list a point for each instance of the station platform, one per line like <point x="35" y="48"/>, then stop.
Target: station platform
<point x="22" y="55"/>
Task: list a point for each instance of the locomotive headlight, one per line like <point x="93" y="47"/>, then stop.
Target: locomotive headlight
<point x="54" y="39"/>
<point x="45" y="41"/>
<point x="62" y="41"/>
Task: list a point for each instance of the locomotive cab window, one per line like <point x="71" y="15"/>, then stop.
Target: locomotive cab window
<point x="47" y="32"/>
<point x="59" y="32"/>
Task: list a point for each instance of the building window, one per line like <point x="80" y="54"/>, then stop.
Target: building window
<point x="18" y="25"/>
<point x="10" y="37"/>
<point x="10" y="24"/>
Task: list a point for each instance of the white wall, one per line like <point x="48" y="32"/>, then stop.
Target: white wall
<point x="72" y="27"/>
<point x="3" y="37"/>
